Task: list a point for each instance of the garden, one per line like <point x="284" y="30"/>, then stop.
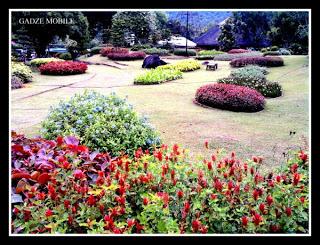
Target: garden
<point x="125" y="139"/>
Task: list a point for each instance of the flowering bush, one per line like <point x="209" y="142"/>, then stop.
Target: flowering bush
<point x="108" y="50"/>
<point x="63" y="68"/>
<point x="158" y="51"/>
<point x="40" y="61"/>
<point x="238" y="51"/>
<point x="20" y="70"/>
<point x="16" y="82"/>
<point x="134" y="55"/>
<point x="182" y="52"/>
<point x="156" y="76"/>
<point x="183" y="66"/>
<point x="230" y="97"/>
<point x="229" y="57"/>
<point x="261" y="61"/>
<point x="69" y="189"/>
<point x="104" y="123"/>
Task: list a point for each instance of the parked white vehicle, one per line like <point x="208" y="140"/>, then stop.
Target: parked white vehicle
<point x="178" y="42"/>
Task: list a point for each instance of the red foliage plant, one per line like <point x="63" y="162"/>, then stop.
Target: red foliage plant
<point x="261" y="61"/>
<point x="134" y="55"/>
<point x="238" y="51"/>
<point x="108" y="50"/>
<point x="63" y="68"/>
<point x="230" y="97"/>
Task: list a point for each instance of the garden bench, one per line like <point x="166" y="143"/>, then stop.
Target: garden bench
<point x="212" y="66"/>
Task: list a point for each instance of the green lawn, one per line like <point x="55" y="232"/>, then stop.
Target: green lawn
<point x="172" y="112"/>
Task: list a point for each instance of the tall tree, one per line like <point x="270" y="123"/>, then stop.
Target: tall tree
<point x="227" y="38"/>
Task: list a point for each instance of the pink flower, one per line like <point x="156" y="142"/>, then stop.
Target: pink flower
<point x="78" y="174"/>
<point x="269" y="200"/>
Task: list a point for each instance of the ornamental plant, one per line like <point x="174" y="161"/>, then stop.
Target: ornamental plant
<point x="230" y="97"/>
<point x="261" y="61"/>
<point x="229" y="57"/>
<point x="21" y="71"/>
<point x="108" y="50"/>
<point x="63" y="68"/>
<point x="238" y="51"/>
<point x="16" y="82"/>
<point x="156" y="76"/>
<point x="209" y="52"/>
<point x="62" y="187"/>
<point x="158" y="51"/>
<point x="96" y="50"/>
<point x="65" y="56"/>
<point x="271" y="53"/>
<point x="182" y="52"/>
<point x="103" y="123"/>
<point x="183" y="66"/>
<point x="138" y="47"/>
<point x="133" y="55"/>
<point x="40" y="61"/>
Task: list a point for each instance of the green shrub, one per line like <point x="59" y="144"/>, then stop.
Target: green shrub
<point x="209" y="52"/>
<point x="204" y="57"/>
<point x="264" y="50"/>
<point x="158" y="51"/>
<point x="182" y="52"/>
<point x="40" y="61"/>
<point x="184" y="65"/>
<point x="138" y="47"/>
<point x="271" y="53"/>
<point x="65" y="56"/>
<point x="274" y="48"/>
<point x="104" y="123"/>
<point x="96" y="50"/>
<point x="21" y="71"/>
<point x="250" y="69"/>
<point x="156" y="76"/>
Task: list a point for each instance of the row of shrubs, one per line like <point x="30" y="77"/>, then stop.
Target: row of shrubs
<point x="63" y="68"/>
<point x="275" y="50"/>
<point x="122" y="54"/>
<point x="165" y="73"/>
<point x="229" y="57"/>
<point x="79" y="190"/>
<point x="261" y="61"/>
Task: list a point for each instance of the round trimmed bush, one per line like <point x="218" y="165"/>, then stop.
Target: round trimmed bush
<point x="104" y="123"/>
<point x="65" y="56"/>
<point x="156" y="76"/>
<point x="63" y="68"/>
<point x="20" y="70"/>
<point x="134" y="55"/>
<point x="40" y="61"/>
<point x="230" y="97"/>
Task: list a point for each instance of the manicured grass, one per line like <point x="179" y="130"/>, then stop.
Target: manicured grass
<point x="178" y="119"/>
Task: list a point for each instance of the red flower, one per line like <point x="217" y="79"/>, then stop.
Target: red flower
<point x="288" y="211"/>
<point x="130" y="222"/>
<point x="302" y="199"/>
<point x="66" y="204"/>
<point x="213" y="157"/>
<point x="294" y="168"/>
<point x="172" y="174"/>
<point x="269" y="200"/>
<point x="218" y="185"/>
<point x="49" y="213"/>
<point x="186" y="207"/>
<point x="180" y="194"/>
<point x="145" y="201"/>
<point x="244" y="220"/>
<point x="91" y="200"/>
<point x="26" y="215"/>
<point x="16" y="211"/>
<point x="70" y="220"/>
<point x="274" y="228"/>
<point x="78" y="174"/>
<point x="296" y="178"/>
<point x="41" y="196"/>
<point x="278" y="178"/>
<point x="255" y="194"/>
<point x="59" y="140"/>
<point x="230" y="185"/>
<point x="303" y="156"/>
<point x="195" y="225"/>
<point x="213" y="196"/>
<point x="262" y="208"/>
<point x="257" y="219"/>
<point x="237" y="189"/>
<point x="206" y="144"/>
<point x="210" y="165"/>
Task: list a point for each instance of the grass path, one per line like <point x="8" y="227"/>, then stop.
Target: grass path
<point x="173" y="113"/>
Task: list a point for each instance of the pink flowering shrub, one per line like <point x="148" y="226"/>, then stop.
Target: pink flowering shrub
<point x="63" y="68"/>
<point x="230" y="97"/>
<point x="133" y="55"/>
<point x="108" y="50"/>
<point x="267" y="61"/>
<point x="238" y="51"/>
<point x="61" y="187"/>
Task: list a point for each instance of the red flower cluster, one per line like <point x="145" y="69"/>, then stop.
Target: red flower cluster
<point x="230" y="97"/>
<point x="261" y="61"/>
<point x="63" y="68"/>
<point x="133" y="55"/>
<point x="108" y="50"/>
<point x="238" y="51"/>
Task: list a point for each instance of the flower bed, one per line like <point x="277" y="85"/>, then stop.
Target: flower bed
<point x="104" y="123"/>
<point x="20" y="70"/>
<point x="261" y="61"/>
<point x="184" y="65"/>
<point x="156" y="76"/>
<point x="134" y="55"/>
<point x="108" y="50"/>
<point x="63" y="68"/>
<point x="70" y="189"/>
<point x="238" y="51"/>
<point x="230" y="97"/>
<point x="229" y="57"/>
<point x="40" y="61"/>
